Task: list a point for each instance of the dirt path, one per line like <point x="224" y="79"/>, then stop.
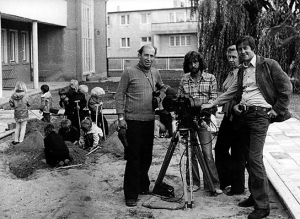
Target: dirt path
<point x="95" y="191"/>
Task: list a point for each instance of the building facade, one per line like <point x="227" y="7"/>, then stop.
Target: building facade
<point x="173" y="31"/>
<point x="55" y="40"/>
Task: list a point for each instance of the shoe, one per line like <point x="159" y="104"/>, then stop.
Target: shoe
<point x="130" y="202"/>
<point x="195" y="188"/>
<point x="231" y="193"/>
<point x="259" y="213"/>
<point x="66" y="161"/>
<point x="219" y="191"/>
<point x="145" y="192"/>
<point x="15" y="142"/>
<point x="249" y="202"/>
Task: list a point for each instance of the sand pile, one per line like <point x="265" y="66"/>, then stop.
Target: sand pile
<point x="24" y="158"/>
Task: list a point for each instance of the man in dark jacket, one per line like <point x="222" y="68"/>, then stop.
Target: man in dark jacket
<point x="56" y="151"/>
<point x="263" y="91"/>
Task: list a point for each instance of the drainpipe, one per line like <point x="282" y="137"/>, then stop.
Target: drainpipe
<point x="1" y="84"/>
<point x="35" y="55"/>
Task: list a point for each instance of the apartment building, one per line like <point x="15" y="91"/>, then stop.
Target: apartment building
<point x="172" y="30"/>
<point x="55" y="40"/>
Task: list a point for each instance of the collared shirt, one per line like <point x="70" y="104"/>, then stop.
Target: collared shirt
<point x="205" y="88"/>
<point x="232" y="76"/>
<point x="251" y="94"/>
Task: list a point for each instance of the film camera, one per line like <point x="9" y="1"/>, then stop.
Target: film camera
<point x="187" y="109"/>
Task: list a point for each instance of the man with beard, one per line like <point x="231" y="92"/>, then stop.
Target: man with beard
<point x="199" y="84"/>
<point x="262" y="91"/>
<point x="135" y="105"/>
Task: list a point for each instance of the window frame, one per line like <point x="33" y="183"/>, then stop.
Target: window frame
<point x="4" y="46"/>
<point x="180" y="40"/>
<point x="126" y="19"/>
<point x="25" y="46"/>
<point x="13" y="46"/>
<point x="127" y="42"/>
<point x="147" y="18"/>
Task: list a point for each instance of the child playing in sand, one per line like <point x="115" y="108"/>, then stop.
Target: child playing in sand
<point x="19" y="101"/>
<point x="46" y="103"/>
<point x="95" y="99"/>
<point x="85" y="90"/>
<point x="56" y="151"/>
<point x="90" y="135"/>
<point x="68" y="132"/>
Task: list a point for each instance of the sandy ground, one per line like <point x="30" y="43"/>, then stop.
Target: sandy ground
<point x="94" y="190"/>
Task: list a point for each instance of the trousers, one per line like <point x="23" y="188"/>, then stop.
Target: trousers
<point x="253" y="127"/>
<point x="140" y="138"/>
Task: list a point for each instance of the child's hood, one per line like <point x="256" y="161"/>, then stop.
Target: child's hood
<point x="46" y="95"/>
<point x="18" y="95"/>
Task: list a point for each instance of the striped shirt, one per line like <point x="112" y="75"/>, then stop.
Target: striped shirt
<point x="205" y="88"/>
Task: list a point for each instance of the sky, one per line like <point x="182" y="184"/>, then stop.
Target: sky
<point x="127" y="5"/>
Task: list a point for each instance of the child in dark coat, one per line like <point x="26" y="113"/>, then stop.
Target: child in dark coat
<point x="46" y="103"/>
<point x="68" y="132"/>
<point x="56" y="151"/>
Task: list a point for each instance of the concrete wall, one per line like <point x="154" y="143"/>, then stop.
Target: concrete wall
<point x="52" y="12"/>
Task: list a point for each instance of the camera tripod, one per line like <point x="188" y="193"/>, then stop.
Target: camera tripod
<point x="183" y="137"/>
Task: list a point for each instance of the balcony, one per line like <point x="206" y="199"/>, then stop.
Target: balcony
<point x="174" y="28"/>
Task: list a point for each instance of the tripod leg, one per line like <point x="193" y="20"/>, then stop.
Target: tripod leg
<point x="205" y="171"/>
<point x="166" y="163"/>
<point x="189" y="157"/>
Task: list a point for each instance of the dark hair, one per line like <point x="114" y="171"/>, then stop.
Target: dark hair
<point x="247" y="40"/>
<point x="45" y="88"/>
<point x="48" y="129"/>
<point x="140" y="51"/>
<point x="193" y="56"/>
<point x="66" y="123"/>
<point x="63" y="91"/>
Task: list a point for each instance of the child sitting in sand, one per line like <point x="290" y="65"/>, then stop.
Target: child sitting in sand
<point x="68" y="132"/>
<point x="90" y="135"/>
<point x="56" y="151"/>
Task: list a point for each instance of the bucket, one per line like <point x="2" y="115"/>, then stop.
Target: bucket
<point x="11" y="126"/>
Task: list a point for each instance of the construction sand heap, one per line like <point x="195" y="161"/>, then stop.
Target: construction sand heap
<point x="26" y="157"/>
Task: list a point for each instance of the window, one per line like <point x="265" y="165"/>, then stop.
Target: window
<point x="145" y="18"/>
<point x="145" y="40"/>
<point x="124" y="19"/>
<point x="4" y="46"/>
<point x="183" y="40"/>
<point x="108" y="42"/>
<point x="87" y="40"/>
<point x="25" y="47"/>
<point x="125" y="42"/>
<point x="13" y="37"/>
<point x="108" y="20"/>
<point x="177" y="16"/>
